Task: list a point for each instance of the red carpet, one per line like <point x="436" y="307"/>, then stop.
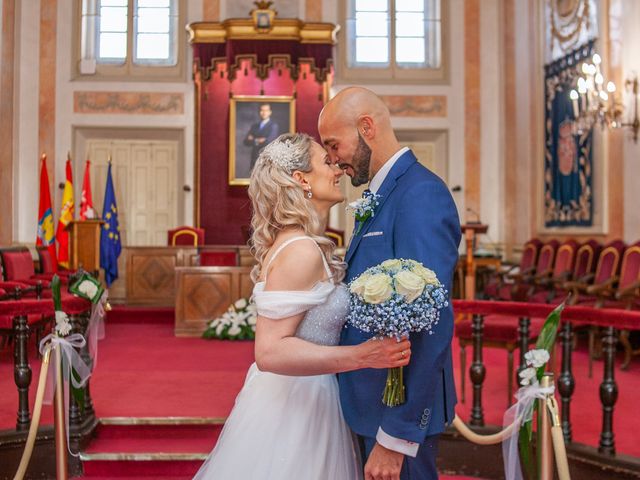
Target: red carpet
<point x="144" y="371"/>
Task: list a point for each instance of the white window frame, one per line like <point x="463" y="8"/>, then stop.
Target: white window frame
<point x="393" y="72"/>
<point x="86" y="45"/>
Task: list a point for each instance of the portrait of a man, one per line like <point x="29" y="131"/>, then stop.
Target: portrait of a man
<point x="254" y="122"/>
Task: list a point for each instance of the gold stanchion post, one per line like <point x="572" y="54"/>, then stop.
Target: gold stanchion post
<point x="545" y="446"/>
<point x="62" y="471"/>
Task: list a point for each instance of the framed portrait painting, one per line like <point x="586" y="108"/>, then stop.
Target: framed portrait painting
<point x="253" y="123"/>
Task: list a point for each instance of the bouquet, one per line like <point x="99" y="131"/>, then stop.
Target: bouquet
<point x="394" y="299"/>
<point x="237" y="323"/>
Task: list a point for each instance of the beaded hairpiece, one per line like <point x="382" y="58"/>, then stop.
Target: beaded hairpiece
<point x="282" y="155"/>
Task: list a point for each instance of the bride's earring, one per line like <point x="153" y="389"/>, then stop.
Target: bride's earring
<point x="309" y="194"/>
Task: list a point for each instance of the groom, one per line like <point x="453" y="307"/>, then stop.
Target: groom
<point x="416" y="219"/>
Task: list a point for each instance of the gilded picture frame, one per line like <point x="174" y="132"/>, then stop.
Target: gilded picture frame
<point x="254" y="121"/>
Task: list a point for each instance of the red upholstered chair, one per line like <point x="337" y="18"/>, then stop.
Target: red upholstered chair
<point x="47" y="267"/>
<point x="185" y="235"/>
<point x="525" y="284"/>
<point x="544" y="286"/>
<point x="218" y="258"/>
<point x="501" y="283"/>
<point x="336" y="235"/>
<point x="17" y="266"/>
<point x="626" y="295"/>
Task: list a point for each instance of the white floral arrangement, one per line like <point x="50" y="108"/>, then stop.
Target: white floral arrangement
<point x="87" y="287"/>
<point x="237" y="323"/>
<point x="63" y="325"/>
<point x="393" y="299"/>
<point x="364" y="208"/>
<point x="534" y="359"/>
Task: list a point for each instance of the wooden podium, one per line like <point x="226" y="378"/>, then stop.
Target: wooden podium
<point x="470" y="231"/>
<point x="85" y="244"/>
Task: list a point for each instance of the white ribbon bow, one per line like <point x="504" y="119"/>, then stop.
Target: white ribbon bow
<point x="518" y="414"/>
<point x="71" y="362"/>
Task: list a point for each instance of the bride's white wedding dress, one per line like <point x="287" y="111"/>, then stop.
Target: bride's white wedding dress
<point x="285" y="427"/>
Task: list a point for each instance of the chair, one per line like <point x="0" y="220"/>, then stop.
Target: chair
<point x="336" y="235"/>
<point x="500" y="284"/>
<point x="49" y="268"/>
<point x="218" y="258"/>
<point x="584" y="290"/>
<point x="625" y="296"/>
<point x="524" y="285"/>
<point x="18" y="271"/>
<point x="185" y="235"/>
<point x="563" y="267"/>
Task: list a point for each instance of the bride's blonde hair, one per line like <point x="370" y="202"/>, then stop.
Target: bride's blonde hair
<point x="279" y="202"/>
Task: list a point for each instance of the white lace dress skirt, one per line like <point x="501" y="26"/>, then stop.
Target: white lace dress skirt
<point x="285" y="428"/>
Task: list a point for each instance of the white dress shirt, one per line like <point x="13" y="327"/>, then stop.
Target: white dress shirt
<point x="387" y="441"/>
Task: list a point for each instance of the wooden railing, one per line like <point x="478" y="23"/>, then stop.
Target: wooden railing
<point x="610" y="320"/>
<point x="79" y="311"/>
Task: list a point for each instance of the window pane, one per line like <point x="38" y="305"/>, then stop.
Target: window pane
<point x="409" y="25"/>
<point x="409" y="5"/>
<point x="372" y="50"/>
<point x="372" y="24"/>
<point x="152" y="46"/>
<point x="410" y="50"/>
<point x="113" y="19"/>
<point x="113" y="45"/>
<point x="113" y="3"/>
<point x="153" y="20"/>
<point x="372" y="5"/>
<point x="153" y="3"/>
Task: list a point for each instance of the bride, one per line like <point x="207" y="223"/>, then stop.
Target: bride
<point x="287" y="423"/>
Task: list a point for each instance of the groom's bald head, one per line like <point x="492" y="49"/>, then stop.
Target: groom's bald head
<point x="355" y="128"/>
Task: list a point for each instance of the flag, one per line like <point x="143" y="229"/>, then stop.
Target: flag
<point x="66" y="217"/>
<point x="86" y="201"/>
<point x="110" y="246"/>
<point x="46" y="235"/>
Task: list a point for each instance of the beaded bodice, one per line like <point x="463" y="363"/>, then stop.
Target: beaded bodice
<point x="322" y="324"/>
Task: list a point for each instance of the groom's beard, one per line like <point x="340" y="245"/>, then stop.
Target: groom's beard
<point x="361" y="162"/>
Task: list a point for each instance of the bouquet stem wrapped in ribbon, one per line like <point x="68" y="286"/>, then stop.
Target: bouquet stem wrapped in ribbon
<point x="394" y="299"/>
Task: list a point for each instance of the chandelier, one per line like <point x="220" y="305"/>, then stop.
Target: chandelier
<point x="595" y="101"/>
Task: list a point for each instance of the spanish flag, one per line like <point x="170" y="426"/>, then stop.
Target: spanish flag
<point x="66" y="217"/>
<point x="46" y="235"/>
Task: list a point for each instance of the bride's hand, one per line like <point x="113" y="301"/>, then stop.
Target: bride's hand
<point x="385" y="353"/>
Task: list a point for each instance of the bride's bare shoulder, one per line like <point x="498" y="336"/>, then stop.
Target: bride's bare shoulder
<point x="297" y="266"/>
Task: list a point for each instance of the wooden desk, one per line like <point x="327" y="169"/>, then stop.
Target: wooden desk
<point x="205" y="293"/>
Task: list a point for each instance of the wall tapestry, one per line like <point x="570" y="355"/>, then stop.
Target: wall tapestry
<point x="568" y="162"/>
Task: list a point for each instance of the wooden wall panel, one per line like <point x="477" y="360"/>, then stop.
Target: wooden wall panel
<point x="204" y="293"/>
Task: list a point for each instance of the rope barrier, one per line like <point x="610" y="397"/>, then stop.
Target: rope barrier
<point x="35" y="420"/>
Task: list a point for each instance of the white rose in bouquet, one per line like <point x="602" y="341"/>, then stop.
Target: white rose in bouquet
<point x="378" y="289"/>
<point x="358" y="284"/>
<point x="392" y="265"/>
<point x="409" y="285"/>
<point x="429" y="276"/>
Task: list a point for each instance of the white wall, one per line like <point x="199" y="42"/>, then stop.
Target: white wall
<point x="26" y="155"/>
<point x="631" y="69"/>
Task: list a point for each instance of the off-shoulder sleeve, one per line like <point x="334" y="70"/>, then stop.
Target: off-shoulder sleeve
<point x="278" y="304"/>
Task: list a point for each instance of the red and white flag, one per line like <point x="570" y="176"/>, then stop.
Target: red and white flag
<point x="86" y="201"/>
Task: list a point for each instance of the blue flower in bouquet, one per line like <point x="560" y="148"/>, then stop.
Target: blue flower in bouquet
<point x="393" y="299"/>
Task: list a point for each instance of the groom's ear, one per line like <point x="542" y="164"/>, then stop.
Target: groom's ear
<point x="366" y="127"/>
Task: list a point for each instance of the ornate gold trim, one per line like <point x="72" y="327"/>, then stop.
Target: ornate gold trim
<point x="244" y="29"/>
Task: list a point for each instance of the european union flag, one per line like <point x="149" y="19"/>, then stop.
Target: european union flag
<point x="110" y="246"/>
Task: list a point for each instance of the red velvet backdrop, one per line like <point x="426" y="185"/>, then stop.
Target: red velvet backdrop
<point x="225" y="209"/>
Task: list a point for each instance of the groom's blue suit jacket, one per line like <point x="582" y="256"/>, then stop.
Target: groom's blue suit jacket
<point x="416" y="219"/>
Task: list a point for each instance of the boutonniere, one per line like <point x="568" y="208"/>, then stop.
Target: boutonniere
<point x="364" y="208"/>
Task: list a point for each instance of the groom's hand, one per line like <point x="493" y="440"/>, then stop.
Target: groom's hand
<point x="383" y="464"/>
